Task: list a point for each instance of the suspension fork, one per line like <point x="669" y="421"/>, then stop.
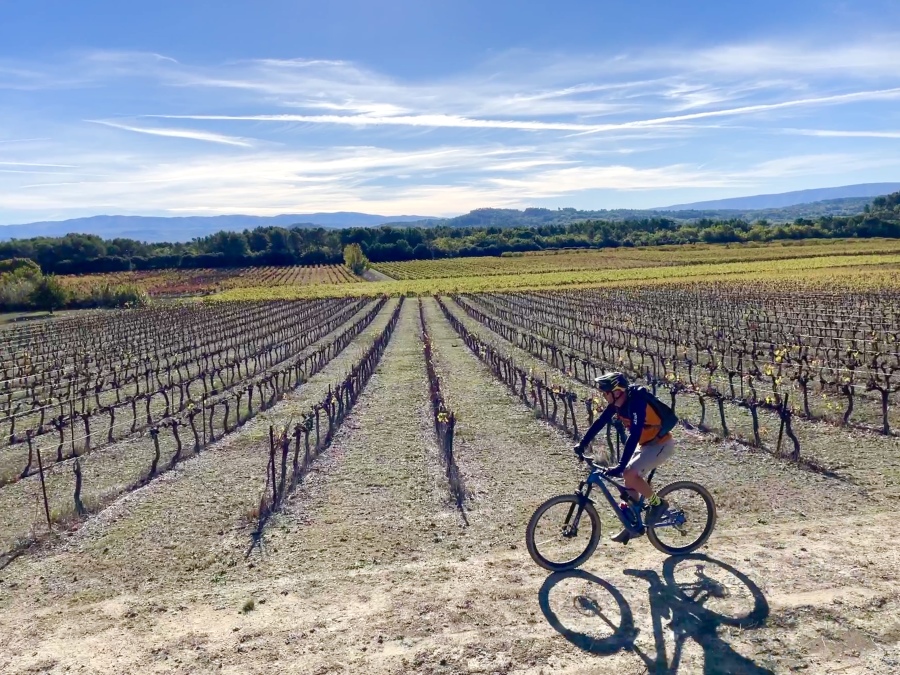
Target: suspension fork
<point x="584" y="491"/>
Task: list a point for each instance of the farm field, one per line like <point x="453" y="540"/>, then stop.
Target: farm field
<point x="544" y="269"/>
<point x="266" y="485"/>
<point x="162" y="283"/>
<point x="868" y="270"/>
<point x="624" y="258"/>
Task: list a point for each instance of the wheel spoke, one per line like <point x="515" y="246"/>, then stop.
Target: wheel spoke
<point x="685" y="522"/>
<point x="553" y="544"/>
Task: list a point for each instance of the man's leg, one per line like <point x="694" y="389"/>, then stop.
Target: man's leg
<point x="635" y="481"/>
<point x="652" y="455"/>
<point x="646" y="458"/>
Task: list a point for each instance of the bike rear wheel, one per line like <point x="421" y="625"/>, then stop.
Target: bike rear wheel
<point x="688" y="522"/>
<point x="559" y="537"/>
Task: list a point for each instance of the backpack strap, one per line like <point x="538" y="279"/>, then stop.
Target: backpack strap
<point x="667" y="416"/>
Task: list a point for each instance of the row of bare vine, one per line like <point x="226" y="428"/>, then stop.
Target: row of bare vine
<point x="591" y="368"/>
<point x="303" y="442"/>
<point x="206" y="421"/>
<point x="444" y="419"/>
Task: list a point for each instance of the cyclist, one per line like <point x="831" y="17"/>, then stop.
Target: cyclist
<point x="650" y="443"/>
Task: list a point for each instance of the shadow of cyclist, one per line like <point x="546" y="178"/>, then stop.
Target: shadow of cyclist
<point x="615" y="629"/>
<point x="696" y="604"/>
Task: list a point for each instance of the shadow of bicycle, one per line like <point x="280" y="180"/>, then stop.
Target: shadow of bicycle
<point x="696" y="594"/>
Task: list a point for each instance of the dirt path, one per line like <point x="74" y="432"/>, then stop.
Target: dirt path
<point x="510" y="461"/>
<point x="767" y="599"/>
<point x="374" y="275"/>
<point x="378" y="496"/>
<point x="370" y="570"/>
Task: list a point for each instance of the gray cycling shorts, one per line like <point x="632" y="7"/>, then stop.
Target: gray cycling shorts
<point x="650" y="455"/>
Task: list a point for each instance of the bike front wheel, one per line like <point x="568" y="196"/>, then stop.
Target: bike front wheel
<point x="687" y="523"/>
<point x="559" y="536"/>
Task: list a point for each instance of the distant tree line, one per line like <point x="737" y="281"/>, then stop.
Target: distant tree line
<point x="23" y="287"/>
<point x="82" y="253"/>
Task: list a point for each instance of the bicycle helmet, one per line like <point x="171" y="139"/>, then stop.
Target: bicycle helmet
<point x="611" y="382"/>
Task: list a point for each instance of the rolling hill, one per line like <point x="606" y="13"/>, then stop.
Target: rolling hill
<point x="158" y="228"/>
<point x="784" y="199"/>
<point x="783" y="207"/>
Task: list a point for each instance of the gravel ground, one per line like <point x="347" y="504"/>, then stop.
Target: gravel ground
<point x="371" y="569"/>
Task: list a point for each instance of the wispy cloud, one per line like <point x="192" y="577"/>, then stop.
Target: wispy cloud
<point x="22" y="140"/>
<point x="459" y="122"/>
<point x="838" y="133"/>
<point x="57" y="166"/>
<point x="437" y="120"/>
<point x="522" y="128"/>
<point x="366" y="179"/>
<point x="191" y="134"/>
<point x="875" y="56"/>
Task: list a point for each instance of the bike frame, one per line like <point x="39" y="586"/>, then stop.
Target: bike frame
<point x="600" y="479"/>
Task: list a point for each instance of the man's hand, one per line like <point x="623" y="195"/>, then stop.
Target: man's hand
<point x="615" y="472"/>
<point x="579" y="452"/>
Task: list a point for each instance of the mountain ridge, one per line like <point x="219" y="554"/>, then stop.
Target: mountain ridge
<point x="172" y="229"/>
<point x="785" y="199"/>
<point x="184" y="228"/>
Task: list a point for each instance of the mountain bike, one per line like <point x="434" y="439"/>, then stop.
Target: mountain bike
<point x="558" y="539"/>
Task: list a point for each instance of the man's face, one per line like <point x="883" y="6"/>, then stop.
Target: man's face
<point x="616" y="398"/>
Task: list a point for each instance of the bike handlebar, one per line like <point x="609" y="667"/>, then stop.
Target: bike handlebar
<point x="591" y="463"/>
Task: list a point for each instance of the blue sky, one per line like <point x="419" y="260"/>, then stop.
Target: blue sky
<point x="436" y="108"/>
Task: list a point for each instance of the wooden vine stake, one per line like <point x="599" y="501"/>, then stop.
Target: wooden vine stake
<point x="43" y="486"/>
<point x="79" y="506"/>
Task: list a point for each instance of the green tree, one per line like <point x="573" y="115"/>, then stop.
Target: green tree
<point x="229" y="244"/>
<point x="354" y="259"/>
<point x="259" y="241"/>
<point x="20" y="268"/>
<point x="280" y="240"/>
<point x="49" y="294"/>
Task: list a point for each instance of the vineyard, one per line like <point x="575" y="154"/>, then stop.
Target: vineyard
<point x="162" y="283"/>
<point x="623" y="258"/>
<point x="341" y="483"/>
<point x="865" y="270"/>
<point x="525" y="264"/>
<point x="104" y="395"/>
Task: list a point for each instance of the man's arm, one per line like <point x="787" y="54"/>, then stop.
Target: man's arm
<point x="598" y="424"/>
<point x="639" y="406"/>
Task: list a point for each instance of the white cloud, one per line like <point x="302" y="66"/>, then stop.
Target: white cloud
<point x="875" y="56"/>
<point x="54" y="166"/>
<point x="437" y="120"/>
<point x="838" y="133"/>
<point x="459" y="122"/>
<point x="818" y="164"/>
<point x="191" y="134"/>
<point x="299" y="135"/>
<point x="22" y="140"/>
<point x="364" y="179"/>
